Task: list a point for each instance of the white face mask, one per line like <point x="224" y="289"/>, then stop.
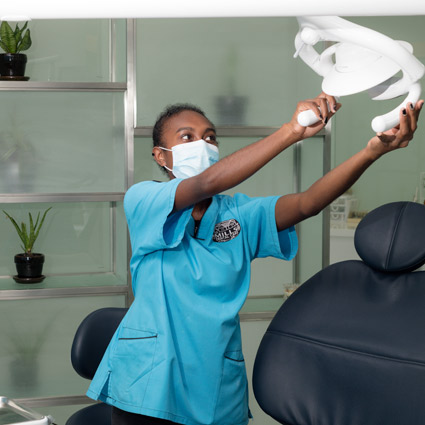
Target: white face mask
<point x="192" y="158"/>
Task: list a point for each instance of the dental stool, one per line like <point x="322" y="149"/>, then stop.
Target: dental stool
<point x="89" y="345"/>
<point x="348" y="346"/>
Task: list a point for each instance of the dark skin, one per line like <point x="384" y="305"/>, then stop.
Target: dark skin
<point x="189" y="126"/>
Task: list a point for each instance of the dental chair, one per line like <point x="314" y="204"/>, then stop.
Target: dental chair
<point x="89" y="345"/>
<point x="348" y="346"/>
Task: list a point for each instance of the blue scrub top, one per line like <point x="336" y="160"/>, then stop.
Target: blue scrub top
<point x="177" y="354"/>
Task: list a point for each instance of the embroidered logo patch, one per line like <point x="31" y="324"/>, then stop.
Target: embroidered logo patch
<point x="226" y="230"/>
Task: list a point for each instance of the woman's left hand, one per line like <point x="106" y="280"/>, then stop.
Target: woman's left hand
<point x="399" y="136"/>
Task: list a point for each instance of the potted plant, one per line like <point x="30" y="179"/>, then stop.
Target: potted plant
<point x="29" y="265"/>
<point x="12" y="62"/>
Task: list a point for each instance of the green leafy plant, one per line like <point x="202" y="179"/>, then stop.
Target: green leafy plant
<point x="14" y="41"/>
<point x="28" y="234"/>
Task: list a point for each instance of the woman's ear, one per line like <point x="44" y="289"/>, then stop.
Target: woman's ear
<point x="158" y="155"/>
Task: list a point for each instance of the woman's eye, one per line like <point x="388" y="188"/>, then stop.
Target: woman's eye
<point x="185" y="136"/>
<point x="210" y="139"/>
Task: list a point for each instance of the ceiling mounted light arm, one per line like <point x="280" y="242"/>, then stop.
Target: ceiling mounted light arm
<point x="96" y="9"/>
<point x="304" y="42"/>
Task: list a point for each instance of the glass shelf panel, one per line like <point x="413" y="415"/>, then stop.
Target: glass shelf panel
<point x="276" y="178"/>
<point x="68" y="142"/>
<point x="310" y="230"/>
<point x="72" y="281"/>
<point x="263" y="305"/>
<point x="244" y="74"/>
<point x="36" y="344"/>
<point x="74" y="50"/>
<point x="76" y="238"/>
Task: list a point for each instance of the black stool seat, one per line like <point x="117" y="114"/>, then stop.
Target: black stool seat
<point x="99" y="413"/>
<point x="89" y="345"/>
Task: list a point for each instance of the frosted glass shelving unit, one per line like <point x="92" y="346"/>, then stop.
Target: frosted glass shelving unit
<point x="65" y="144"/>
<point x="53" y="185"/>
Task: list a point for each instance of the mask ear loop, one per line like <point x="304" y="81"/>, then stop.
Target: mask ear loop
<point x="165" y="149"/>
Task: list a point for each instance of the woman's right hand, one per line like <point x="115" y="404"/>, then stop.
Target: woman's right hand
<point x="324" y="107"/>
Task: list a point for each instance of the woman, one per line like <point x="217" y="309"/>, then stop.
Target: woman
<point x="176" y="357"/>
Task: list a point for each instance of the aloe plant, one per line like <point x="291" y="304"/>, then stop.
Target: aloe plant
<point x="28" y="234"/>
<point x="14" y="41"/>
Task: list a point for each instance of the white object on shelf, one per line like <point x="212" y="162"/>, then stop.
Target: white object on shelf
<point x="289" y="289"/>
<point x="340" y="210"/>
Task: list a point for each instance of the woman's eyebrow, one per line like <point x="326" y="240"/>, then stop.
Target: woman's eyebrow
<point x="192" y="129"/>
<point x="185" y="128"/>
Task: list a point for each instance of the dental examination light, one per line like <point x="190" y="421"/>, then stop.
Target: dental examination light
<point x="365" y="60"/>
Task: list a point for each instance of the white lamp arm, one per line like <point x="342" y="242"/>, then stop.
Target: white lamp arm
<point x="334" y="28"/>
<point x="391" y="119"/>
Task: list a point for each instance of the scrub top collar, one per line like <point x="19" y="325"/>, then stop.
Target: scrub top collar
<point x="206" y="226"/>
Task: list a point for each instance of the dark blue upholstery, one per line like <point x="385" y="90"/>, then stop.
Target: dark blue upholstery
<point x="89" y="345"/>
<point x="391" y="238"/>
<point x="348" y="347"/>
<point x="96" y="414"/>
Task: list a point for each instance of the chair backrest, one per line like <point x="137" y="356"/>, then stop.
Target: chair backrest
<point x="92" y="338"/>
<point x="348" y="346"/>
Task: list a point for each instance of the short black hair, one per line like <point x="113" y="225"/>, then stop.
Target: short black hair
<point x="171" y="111"/>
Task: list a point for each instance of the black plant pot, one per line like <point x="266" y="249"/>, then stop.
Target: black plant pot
<point x="29" y="268"/>
<point x="12" y="66"/>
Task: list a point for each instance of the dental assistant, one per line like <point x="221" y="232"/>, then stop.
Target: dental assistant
<point x="177" y="356"/>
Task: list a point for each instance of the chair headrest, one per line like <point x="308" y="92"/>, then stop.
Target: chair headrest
<point x="391" y="238"/>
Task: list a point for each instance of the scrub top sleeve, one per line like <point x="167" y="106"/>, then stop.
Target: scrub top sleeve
<point x="259" y="225"/>
<point x="148" y="206"/>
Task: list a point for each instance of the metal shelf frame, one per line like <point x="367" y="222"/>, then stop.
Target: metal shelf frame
<point x="26" y="294"/>
<point x="61" y="87"/>
<point x="13" y="198"/>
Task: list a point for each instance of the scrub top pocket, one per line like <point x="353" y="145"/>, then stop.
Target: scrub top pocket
<point x="132" y="361"/>
<point x="233" y="397"/>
